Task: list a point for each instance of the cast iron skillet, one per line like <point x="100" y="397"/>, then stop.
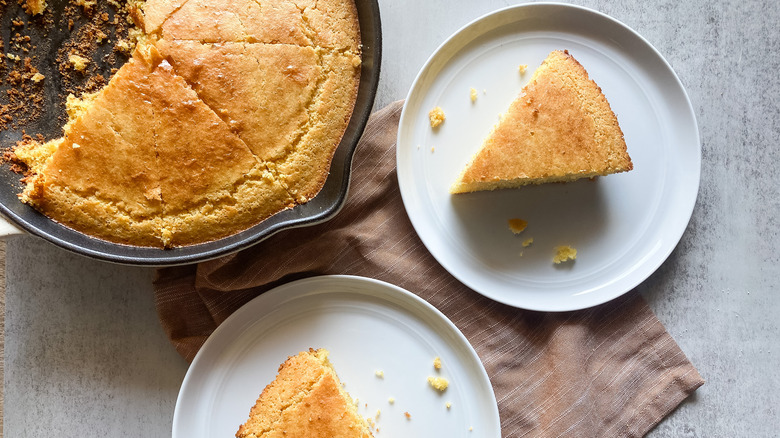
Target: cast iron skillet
<point x="322" y="208"/>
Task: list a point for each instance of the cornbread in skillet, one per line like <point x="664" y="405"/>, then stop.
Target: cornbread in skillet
<point x="560" y="128"/>
<point x="305" y="400"/>
<point x="228" y="112"/>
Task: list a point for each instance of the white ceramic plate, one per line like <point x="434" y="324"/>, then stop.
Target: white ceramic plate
<point x="367" y="325"/>
<point x="623" y="226"/>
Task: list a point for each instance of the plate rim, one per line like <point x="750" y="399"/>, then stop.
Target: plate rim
<point x="306" y="286"/>
<point x="684" y="216"/>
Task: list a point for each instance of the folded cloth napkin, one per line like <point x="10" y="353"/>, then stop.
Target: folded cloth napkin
<point x="609" y="371"/>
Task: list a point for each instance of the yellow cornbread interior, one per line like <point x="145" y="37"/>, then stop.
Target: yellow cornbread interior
<point x="228" y="112"/>
<point x="560" y="128"/>
<point x="305" y="400"/>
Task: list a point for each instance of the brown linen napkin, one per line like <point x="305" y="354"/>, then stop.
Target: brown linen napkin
<point x="610" y="371"/>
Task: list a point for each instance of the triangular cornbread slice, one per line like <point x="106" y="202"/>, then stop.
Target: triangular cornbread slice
<point x="305" y="400"/>
<point x="102" y="177"/>
<point x="560" y="128"/>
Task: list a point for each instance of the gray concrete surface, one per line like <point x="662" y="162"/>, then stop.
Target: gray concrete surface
<point x="85" y="355"/>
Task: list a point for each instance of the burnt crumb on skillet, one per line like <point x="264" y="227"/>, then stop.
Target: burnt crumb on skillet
<point x="37" y="71"/>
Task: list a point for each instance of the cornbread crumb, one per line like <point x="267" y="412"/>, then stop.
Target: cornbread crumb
<point x="564" y="253"/>
<point x="134" y="35"/>
<point x="124" y="46"/>
<point x="391" y="400"/>
<point x="13" y="57"/>
<point x="473" y="94"/>
<point x="517" y="225"/>
<point x="78" y="62"/>
<point x="438" y="383"/>
<point x="433" y="149"/>
<point x="37" y="77"/>
<point x="448" y="404"/>
<point x="436" y="116"/>
<point x="380" y="374"/>
<point x="522" y="68"/>
<point x="35" y="7"/>
<point x="378" y="412"/>
<point x="471" y="429"/>
<point x="527" y="242"/>
<point x="408" y="415"/>
<point x="437" y="362"/>
<point x="356" y="61"/>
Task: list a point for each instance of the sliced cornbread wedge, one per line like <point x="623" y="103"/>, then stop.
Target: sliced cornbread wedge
<point x="102" y="178"/>
<point x="305" y="400"/>
<point x="560" y="128"/>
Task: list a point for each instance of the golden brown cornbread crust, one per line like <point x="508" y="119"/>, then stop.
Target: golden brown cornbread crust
<point x="560" y="128"/>
<point x="305" y="400"/>
<point x="228" y="112"/>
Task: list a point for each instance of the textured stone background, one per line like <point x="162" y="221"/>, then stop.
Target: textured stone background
<point x="84" y="353"/>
